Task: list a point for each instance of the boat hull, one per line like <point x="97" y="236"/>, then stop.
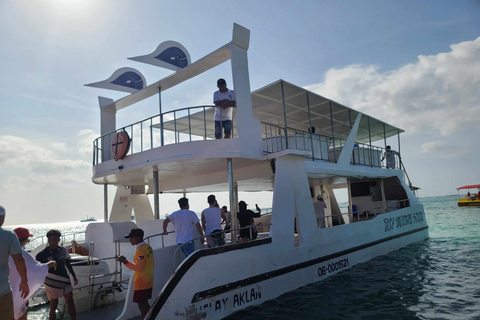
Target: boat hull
<point x="469" y="202"/>
<point x="253" y="273"/>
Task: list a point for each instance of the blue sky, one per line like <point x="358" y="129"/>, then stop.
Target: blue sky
<point x="414" y="64"/>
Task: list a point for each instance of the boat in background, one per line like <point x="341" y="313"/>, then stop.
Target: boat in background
<point x="469" y="200"/>
<point x="89" y="219"/>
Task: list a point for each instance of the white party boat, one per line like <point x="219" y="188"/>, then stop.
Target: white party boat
<point x="272" y="149"/>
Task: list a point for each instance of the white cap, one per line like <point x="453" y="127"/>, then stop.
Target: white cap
<point x="2" y="211"/>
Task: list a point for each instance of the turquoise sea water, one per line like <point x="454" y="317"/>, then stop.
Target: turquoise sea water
<point x="435" y="279"/>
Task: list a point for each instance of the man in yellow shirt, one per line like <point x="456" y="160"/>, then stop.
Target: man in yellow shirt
<point x="142" y="266"/>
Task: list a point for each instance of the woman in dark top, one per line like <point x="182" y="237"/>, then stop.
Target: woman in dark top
<point x="245" y="218"/>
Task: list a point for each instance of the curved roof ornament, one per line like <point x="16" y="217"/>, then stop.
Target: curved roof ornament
<point x="124" y="79"/>
<point x="169" y="54"/>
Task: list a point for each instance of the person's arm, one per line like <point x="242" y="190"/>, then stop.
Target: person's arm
<point x="22" y="271"/>
<point x="70" y="269"/>
<point x="138" y="265"/>
<point x="224" y="217"/>
<point x="259" y="211"/>
<point x="165" y="224"/>
<point x="204" y="222"/>
<point x="199" y="228"/>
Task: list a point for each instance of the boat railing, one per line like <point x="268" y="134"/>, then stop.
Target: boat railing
<point x="381" y="208"/>
<point x="179" y="125"/>
<point x="223" y="232"/>
<point x="158" y="235"/>
<point x="65" y="237"/>
<point x="320" y="146"/>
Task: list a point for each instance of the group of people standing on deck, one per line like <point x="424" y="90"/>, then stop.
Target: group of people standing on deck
<point x="21" y="274"/>
<point x="209" y="225"/>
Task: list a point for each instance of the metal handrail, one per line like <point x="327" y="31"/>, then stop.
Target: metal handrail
<point x="214" y="233"/>
<point x="158" y="122"/>
<point x="374" y="210"/>
<point x="158" y="234"/>
<point x="62" y="238"/>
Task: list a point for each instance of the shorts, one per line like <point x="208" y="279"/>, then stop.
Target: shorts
<point x="246" y="233"/>
<point x="6" y="306"/>
<point x="55" y="293"/>
<point x="187" y="248"/>
<point x="142" y="295"/>
<point x="227" y="127"/>
<point x="216" y="240"/>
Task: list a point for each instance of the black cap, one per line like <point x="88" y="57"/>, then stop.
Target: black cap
<point x="136" y="232"/>
<point x="221" y="82"/>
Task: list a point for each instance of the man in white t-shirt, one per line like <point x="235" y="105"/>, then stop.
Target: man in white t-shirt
<point x="212" y="217"/>
<point x="390" y="156"/>
<point x="184" y="221"/>
<point x="319" y="206"/>
<point x="224" y="100"/>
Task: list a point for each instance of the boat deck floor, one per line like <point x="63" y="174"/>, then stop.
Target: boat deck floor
<point x="110" y="312"/>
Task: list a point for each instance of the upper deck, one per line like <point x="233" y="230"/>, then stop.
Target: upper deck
<point x="271" y="120"/>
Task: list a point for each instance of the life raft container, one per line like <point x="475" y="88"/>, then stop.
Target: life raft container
<point x="120" y="145"/>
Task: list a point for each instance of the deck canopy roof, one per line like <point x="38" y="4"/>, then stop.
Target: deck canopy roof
<point x="473" y="186"/>
<point x="267" y="105"/>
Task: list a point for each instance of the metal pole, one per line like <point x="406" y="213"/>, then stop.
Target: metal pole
<point x="350" y="122"/>
<point x="232" y="200"/>
<point x="156" y="200"/>
<point x="284" y="116"/>
<point x="161" y="115"/>
<point x="370" y="141"/>
<point x="384" y="136"/>
<point x="310" y="125"/>
<point x="384" y="201"/>
<point x="333" y="132"/>
<point x="350" y="204"/>
<point x="399" y="164"/>
<point x="105" y="202"/>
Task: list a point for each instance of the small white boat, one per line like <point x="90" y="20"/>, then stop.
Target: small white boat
<point x="91" y="219"/>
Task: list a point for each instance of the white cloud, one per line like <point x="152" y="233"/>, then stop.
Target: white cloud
<point x="33" y="165"/>
<point x="438" y="94"/>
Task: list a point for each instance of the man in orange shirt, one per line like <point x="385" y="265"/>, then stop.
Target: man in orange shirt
<point x="142" y="266"/>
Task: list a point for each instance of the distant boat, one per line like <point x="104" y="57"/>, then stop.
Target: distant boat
<point x="89" y="219"/>
<point x="472" y="199"/>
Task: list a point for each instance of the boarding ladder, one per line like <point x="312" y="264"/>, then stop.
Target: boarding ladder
<point x="116" y="284"/>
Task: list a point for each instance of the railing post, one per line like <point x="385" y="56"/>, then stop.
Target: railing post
<point x="284" y="116"/>
<point x="161" y="115"/>
<point x="151" y="133"/>
<point x="189" y="126"/>
<point x="310" y="127"/>
<point x="398" y="132"/>
<point x="370" y="142"/>
<point x="175" y="126"/>
<point x="333" y="132"/>
<point x="204" y="124"/>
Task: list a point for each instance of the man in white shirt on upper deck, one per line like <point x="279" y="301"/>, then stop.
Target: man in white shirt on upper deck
<point x="224" y="100"/>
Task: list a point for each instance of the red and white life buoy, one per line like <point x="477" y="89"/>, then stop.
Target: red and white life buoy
<point x="120" y="145"/>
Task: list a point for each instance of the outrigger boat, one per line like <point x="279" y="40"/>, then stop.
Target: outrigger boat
<point x="471" y="200"/>
<point x="272" y="149"/>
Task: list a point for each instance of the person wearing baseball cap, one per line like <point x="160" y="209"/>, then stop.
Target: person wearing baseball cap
<point x="142" y="266"/>
<point x="36" y="272"/>
<point x="224" y="100"/>
<point x="10" y="246"/>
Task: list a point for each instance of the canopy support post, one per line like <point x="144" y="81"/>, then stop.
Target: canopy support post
<point x="231" y="194"/>
<point x="284" y="115"/>
<point x="105" y="202"/>
<point x="156" y="200"/>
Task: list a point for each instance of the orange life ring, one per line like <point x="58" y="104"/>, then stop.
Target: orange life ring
<point x="120" y="145"/>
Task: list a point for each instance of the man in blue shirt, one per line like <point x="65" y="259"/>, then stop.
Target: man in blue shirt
<point x="10" y="246"/>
